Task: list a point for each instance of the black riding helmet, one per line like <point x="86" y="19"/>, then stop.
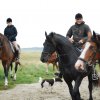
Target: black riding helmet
<point x="9" y="20"/>
<point x="78" y="16"/>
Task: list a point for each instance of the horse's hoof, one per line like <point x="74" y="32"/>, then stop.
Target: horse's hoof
<point x="14" y="79"/>
<point x="6" y="87"/>
<point x="90" y="99"/>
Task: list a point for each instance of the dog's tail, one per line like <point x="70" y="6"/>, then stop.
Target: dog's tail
<point x="40" y="79"/>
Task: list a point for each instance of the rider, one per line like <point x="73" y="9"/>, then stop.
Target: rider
<point x="11" y="32"/>
<point x="79" y="32"/>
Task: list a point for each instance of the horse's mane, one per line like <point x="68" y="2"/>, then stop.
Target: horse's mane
<point x="67" y="45"/>
<point x="96" y="39"/>
<point x="59" y="36"/>
<point x="3" y="37"/>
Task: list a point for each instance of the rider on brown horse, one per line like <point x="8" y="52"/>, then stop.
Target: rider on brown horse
<point x="11" y="32"/>
<point x="80" y="32"/>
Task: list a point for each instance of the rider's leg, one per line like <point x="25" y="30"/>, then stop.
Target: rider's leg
<point x="17" y="49"/>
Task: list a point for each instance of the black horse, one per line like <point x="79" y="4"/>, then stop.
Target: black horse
<point x="68" y="55"/>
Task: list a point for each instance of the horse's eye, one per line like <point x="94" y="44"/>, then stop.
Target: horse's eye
<point x="91" y="47"/>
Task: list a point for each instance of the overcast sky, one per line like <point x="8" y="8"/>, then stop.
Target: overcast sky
<point x="33" y="17"/>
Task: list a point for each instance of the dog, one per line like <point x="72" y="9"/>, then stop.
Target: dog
<point x="49" y="82"/>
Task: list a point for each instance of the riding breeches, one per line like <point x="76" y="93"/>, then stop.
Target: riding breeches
<point x="15" y="44"/>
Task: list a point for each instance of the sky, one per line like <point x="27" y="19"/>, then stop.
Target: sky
<point x="33" y="17"/>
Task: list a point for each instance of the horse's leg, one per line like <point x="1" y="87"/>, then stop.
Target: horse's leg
<point x="16" y="66"/>
<point x="47" y="68"/>
<point x="11" y="72"/>
<point x="90" y="86"/>
<point x="76" y="88"/>
<point x="6" y="69"/>
<point x="57" y="68"/>
<point x="70" y="86"/>
<point x="53" y="66"/>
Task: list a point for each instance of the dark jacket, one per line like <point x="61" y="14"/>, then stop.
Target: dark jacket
<point x="10" y="32"/>
<point x="79" y="31"/>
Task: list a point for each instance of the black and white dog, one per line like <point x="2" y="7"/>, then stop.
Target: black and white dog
<point x="49" y="82"/>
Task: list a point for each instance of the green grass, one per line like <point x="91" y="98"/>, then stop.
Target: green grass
<point x="29" y="72"/>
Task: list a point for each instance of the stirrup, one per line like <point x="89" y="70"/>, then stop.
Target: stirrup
<point x="95" y="77"/>
<point x="17" y="59"/>
<point x="18" y="62"/>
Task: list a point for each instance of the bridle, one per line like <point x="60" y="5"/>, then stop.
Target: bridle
<point x="47" y="53"/>
<point x="91" y="59"/>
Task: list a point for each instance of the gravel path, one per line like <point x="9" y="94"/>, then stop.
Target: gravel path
<point x="34" y="92"/>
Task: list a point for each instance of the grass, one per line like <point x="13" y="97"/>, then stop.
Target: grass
<point x="29" y="72"/>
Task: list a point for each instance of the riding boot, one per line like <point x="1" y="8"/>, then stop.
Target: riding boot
<point x="17" y="56"/>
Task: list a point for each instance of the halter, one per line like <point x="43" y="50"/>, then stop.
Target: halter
<point x="90" y="59"/>
<point x="47" y="53"/>
<point x="58" y="56"/>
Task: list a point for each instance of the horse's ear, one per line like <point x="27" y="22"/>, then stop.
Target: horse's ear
<point x="52" y="34"/>
<point x="45" y="34"/>
<point x="94" y="34"/>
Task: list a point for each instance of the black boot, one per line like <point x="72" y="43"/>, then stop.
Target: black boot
<point x="17" y="55"/>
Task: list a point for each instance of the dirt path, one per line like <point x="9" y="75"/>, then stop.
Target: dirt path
<point x="34" y="92"/>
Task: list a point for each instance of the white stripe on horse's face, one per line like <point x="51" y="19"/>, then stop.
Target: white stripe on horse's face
<point x="85" y="50"/>
<point x="79" y="64"/>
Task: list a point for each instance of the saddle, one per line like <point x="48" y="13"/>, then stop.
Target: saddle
<point x="78" y="46"/>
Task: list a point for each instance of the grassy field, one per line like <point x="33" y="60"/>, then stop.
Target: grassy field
<point x="29" y="72"/>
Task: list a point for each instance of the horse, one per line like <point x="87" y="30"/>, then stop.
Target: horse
<point x="68" y="55"/>
<point x="7" y="57"/>
<point x="52" y="60"/>
<point x="90" y="54"/>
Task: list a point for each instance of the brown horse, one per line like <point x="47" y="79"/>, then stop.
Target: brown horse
<point x="91" y="53"/>
<point x="52" y="60"/>
<point x="7" y="56"/>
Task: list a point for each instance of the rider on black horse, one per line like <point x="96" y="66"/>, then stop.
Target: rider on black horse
<point x="79" y="33"/>
<point x="11" y="32"/>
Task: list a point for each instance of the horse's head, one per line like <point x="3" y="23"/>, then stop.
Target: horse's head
<point x="49" y="47"/>
<point x="1" y="39"/>
<point x="89" y="53"/>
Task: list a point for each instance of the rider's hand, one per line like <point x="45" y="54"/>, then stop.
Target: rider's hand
<point x="71" y="40"/>
<point x="81" y="41"/>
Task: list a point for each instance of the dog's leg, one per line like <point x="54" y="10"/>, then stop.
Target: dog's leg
<point x="51" y="89"/>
